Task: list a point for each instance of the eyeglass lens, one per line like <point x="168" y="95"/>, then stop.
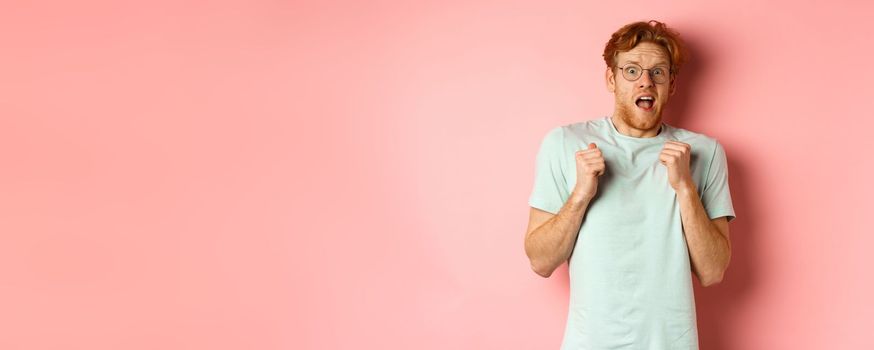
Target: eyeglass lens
<point x="632" y="72"/>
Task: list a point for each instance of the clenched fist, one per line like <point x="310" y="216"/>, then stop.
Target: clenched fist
<point x="675" y="156"/>
<point x="590" y="165"/>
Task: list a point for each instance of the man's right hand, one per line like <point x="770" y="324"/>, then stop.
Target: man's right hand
<point x="590" y="165"/>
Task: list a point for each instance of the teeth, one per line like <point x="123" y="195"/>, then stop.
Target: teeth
<point x="650" y="98"/>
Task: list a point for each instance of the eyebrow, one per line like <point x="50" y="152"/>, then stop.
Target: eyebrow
<point x="659" y="63"/>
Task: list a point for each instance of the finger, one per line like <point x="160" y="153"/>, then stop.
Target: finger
<point x="600" y="169"/>
<point x="595" y="163"/>
<point x="665" y="159"/>
<point x="593" y="146"/>
<point x="592" y="162"/>
<point x="586" y="158"/>
<point x="678" y="145"/>
<point x="590" y="150"/>
<point x="672" y="153"/>
<point x="593" y="155"/>
<point x="597" y="169"/>
<point x="669" y="145"/>
<point x="674" y="146"/>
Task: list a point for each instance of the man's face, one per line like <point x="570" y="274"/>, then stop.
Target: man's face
<point x="631" y="107"/>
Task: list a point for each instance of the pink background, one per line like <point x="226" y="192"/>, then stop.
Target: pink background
<point x="355" y="175"/>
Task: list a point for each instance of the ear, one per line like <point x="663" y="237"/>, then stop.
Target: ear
<point x="611" y="80"/>
<point x="673" y="86"/>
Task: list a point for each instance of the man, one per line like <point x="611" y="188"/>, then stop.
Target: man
<point x="634" y="205"/>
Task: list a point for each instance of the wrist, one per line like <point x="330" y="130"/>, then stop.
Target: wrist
<point x="687" y="188"/>
<point x="579" y="198"/>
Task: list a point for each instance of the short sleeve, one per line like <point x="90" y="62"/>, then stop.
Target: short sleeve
<point x="550" y="183"/>
<point x="716" y="196"/>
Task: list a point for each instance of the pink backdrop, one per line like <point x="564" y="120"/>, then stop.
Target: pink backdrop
<point x="355" y="175"/>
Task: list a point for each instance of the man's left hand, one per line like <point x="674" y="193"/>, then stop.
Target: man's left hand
<point x="675" y="156"/>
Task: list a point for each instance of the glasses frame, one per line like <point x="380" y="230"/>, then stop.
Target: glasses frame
<point x="651" y="77"/>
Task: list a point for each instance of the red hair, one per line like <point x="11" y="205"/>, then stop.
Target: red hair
<point x="627" y="37"/>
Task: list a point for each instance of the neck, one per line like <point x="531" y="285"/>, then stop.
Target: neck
<point x="632" y="131"/>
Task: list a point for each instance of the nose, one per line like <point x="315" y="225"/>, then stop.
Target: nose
<point x="645" y="80"/>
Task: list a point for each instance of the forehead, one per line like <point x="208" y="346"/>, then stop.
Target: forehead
<point x="644" y="53"/>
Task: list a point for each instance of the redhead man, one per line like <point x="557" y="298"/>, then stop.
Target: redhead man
<point x="634" y="205"/>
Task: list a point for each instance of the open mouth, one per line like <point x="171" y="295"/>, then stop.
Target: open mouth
<point x="645" y="102"/>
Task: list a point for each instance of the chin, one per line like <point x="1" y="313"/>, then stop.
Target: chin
<point x="641" y="120"/>
<point x="647" y="122"/>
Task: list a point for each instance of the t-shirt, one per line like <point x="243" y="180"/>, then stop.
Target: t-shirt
<point x="630" y="270"/>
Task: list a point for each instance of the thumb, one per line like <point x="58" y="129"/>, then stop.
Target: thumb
<point x="593" y="146"/>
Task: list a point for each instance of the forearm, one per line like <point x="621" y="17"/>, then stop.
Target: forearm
<point x="710" y="250"/>
<point x="551" y="244"/>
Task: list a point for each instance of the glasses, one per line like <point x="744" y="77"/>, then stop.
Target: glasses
<point x="632" y="72"/>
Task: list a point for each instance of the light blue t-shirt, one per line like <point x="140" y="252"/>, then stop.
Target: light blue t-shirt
<point x="630" y="270"/>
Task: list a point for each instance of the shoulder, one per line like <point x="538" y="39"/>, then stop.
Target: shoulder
<point x="553" y="139"/>
<point x="574" y="134"/>
<point x="586" y="131"/>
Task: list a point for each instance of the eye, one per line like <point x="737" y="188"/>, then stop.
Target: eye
<point x="631" y="70"/>
<point x="658" y="71"/>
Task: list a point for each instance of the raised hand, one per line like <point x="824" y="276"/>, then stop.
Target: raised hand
<point x="676" y="157"/>
<point x="590" y="165"/>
